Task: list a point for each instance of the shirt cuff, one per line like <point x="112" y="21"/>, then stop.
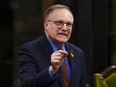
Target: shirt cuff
<point x="52" y="76"/>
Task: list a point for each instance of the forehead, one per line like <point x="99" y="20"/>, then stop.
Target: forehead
<point x="61" y="14"/>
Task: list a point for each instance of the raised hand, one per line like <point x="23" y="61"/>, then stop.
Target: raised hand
<point x="57" y="59"/>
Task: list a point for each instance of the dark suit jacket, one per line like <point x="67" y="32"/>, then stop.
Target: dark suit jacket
<point x="34" y="61"/>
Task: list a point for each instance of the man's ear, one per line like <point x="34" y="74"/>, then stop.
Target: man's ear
<point x="45" y="25"/>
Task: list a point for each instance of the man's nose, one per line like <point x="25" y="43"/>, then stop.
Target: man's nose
<point x="64" y="26"/>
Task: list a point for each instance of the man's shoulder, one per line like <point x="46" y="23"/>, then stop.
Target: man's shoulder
<point x="73" y="46"/>
<point x="29" y="43"/>
<point x="33" y="43"/>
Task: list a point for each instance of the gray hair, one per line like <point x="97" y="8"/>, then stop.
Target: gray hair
<point x="53" y="7"/>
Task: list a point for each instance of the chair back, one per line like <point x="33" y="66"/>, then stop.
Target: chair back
<point x="107" y="78"/>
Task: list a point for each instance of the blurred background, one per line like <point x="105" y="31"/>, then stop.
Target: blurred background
<point x="94" y="32"/>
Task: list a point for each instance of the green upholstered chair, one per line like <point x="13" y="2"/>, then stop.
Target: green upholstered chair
<point x="107" y="78"/>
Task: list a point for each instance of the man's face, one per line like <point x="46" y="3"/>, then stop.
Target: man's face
<point x="58" y="26"/>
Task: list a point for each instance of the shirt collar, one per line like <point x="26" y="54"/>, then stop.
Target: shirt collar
<point x="55" y="48"/>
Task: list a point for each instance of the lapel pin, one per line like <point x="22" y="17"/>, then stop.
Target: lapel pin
<point x="72" y="54"/>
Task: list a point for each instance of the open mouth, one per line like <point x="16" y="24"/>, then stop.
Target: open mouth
<point x="62" y="34"/>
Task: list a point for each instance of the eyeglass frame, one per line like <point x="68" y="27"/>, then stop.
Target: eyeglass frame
<point x="60" y="23"/>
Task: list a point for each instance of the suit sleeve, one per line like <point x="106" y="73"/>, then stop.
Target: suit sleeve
<point x="30" y="75"/>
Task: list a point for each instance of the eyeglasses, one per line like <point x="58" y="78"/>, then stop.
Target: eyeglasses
<point x="60" y="23"/>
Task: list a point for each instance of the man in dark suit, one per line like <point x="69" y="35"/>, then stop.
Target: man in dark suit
<point x="41" y="61"/>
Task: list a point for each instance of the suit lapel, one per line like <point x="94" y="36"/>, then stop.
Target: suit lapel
<point x="73" y="63"/>
<point x="47" y="50"/>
